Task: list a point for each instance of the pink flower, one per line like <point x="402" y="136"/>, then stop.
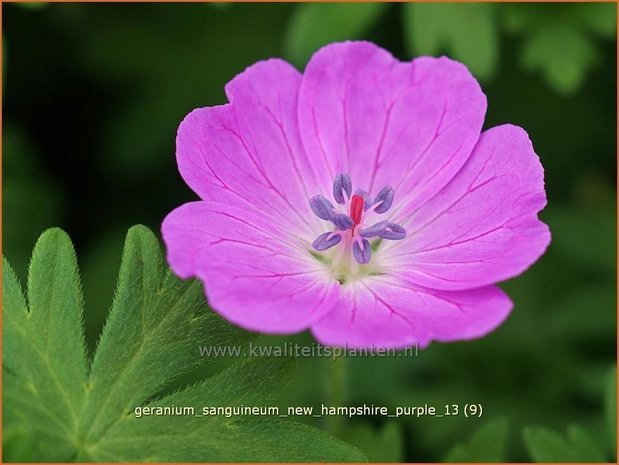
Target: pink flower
<point x="358" y="200"/>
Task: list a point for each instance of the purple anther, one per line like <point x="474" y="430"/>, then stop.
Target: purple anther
<point x="321" y="207"/>
<point x="340" y="185"/>
<point x="393" y="232"/>
<point x="362" y="253"/>
<point x="373" y="231"/>
<point x="326" y="241"/>
<point x="342" y="221"/>
<point x="384" y="199"/>
<point x="367" y="200"/>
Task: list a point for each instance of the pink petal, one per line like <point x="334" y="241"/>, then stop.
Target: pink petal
<point x="483" y="227"/>
<point x="392" y="312"/>
<point x="409" y="125"/>
<point x="256" y="277"/>
<point x="248" y="153"/>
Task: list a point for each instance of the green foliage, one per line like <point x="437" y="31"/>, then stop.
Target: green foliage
<point x="545" y="445"/>
<point x="62" y="409"/>
<point x="559" y="44"/>
<point x="562" y="54"/>
<point x="562" y="46"/>
<point x="382" y="444"/>
<point x="45" y="369"/>
<point x="465" y="31"/>
<point x="486" y="445"/>
<point x="314" y="25"/>
<point x="103" y="159"/>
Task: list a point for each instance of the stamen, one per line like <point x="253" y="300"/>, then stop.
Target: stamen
<point x="384" y="199"/>
<point x="362" y="253"/>
<point x="393" y="232"/>
<point x="342" y="221"/>
<point x="346" y="225"/>
<point x="321" y="207"/>
<point x="373" y="231"/>
<point x="340" y="185"/>
<point x="385" y="230"/>
<point x="326" y="241"/>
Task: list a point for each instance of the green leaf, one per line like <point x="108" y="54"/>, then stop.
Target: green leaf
<point x="560" y="42"/>
<point x="314" y="25"/>
<point x="379" y="445"/>
<point x="18" y="446"/>
<point x="466" y="32"/>
<point x="562" y="53"/>
<point x="557" y="40"/>
<point x="152" y="336"/>
<point x="545" y="445"/>
<point x="486" y="445"/>
<point x="255" y="439"/>
<point x="44" y="353"/>
<point x="611" y="407"/>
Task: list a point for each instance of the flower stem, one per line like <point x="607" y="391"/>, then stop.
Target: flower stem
<point x="336" y="392"/>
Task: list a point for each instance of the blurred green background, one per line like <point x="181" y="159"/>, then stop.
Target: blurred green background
<point x="93" y="94"/>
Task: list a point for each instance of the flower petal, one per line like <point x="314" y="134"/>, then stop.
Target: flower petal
<point x="483" y="227"/>
<point x="253" y="277"/>
<point x="248" y="152"/>
<point x="409" y="125"/>
<point x="392" y="312"/>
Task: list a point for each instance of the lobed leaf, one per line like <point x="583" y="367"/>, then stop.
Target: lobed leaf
<point x="255" y="438"/>
<point x="44" y="352"/>
<point x="61" y="412"/>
